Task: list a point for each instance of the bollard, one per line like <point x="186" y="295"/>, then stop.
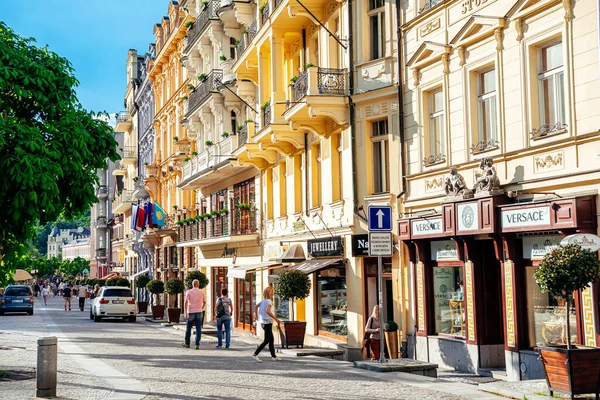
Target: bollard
<point x="46" y="367"/>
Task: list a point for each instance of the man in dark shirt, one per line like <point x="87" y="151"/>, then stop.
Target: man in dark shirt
<point x="67" y="291"/>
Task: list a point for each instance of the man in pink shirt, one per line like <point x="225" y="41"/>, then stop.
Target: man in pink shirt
<point x="193" y="306"/>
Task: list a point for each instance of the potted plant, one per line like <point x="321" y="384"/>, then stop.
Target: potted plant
<point x="564" y="271"/>
<point x="141" y="283"/>
<point x="225" y="134"/>
<point x="185" y="97"/>
<point x="187" y="159"/>
<point x="391" y="338"/>
<point x="156" y="287"/>
<point x="174" y="287"/>
<point x="191" y="87"/>
<point x="293" y="79"/>
<point x="265" y="106"/>
<point x="208" y="143"/>
<point x="222" y="58"/>
<point x="292" y="285"/>
<point x="214" y="213"/>
<point x="201" y="77"/>
<point x="194" y="153"/>
<point x="175" y="138"/>
<point x="175" y="207"/>
<point x="239" y="128"/>
<point x="204" y="3"/>
<point x="112" y="282"/>
<point x="201" y="276"/>
<point x="122" y="282"/>
<point x="189" y="24"/>
<point x="309" y="65"/>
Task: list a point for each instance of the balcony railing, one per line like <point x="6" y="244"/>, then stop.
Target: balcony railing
<point x="121" y="116"/>
<point x="219" y="226"/>
<point x="209" y="12"/>
<point x="122" y="200"/>
<point x="101" y="222"/>
<point x="208" y="158"/>
<point x="266" y="115"/>
<point x="328" y="82"/>
<point x="332" y="81"/>
<point x="265" y="12"/>
<point x="430" y="4"/>
<point x="208" y="84"/>
<point x="241" y="45"/>
<point x="252" y="31"/>
<point x="129" y="152"/>
<point x="214" y="227"/>
<point x="102" y="191"/>
<point x="244" y="222"/>
<point x="300" y="87"/>
<point x="243" y="135"/>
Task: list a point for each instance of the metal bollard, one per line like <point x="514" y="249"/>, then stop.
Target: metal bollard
<point x="46" y="367"/>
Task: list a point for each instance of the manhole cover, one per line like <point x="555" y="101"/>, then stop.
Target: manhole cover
<point x="17" y="374"/>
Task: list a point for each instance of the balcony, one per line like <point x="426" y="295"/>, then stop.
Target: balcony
<point x="129" y="155"/>
<point x="243" y="135"/>
<point x="246" y="41"/>
<point x="101" y="223"/>
<point x="102" y="192"/>
<point x="211" y="165"/>
<point x="101" y="254"/>
<point x="208" y="13"/>
<point x="316" y="95"/>
<point x="244" y="222"/>
<point x="201" y="93"/>
<point x="265" y="11"/>
<point x="123" y="122"/>
<point x="122" y="202"/>
<point x="267" y="113"/>
<point x="120" y="169"/>
<point x="239" y="226"/>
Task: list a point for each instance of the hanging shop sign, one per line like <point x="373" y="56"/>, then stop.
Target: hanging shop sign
<point x="526" y="217"/>
<point x="444" y="250"/>
<point x="426" y="227"/>
<point x="536" y="247"/>
<point x="325" y="247"/>
<point x="273" y="250"/>
<point x="587" y="241"/>
<point x="360" y="245"/>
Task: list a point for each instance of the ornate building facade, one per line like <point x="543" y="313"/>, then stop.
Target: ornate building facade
<point x="501" y="99"/>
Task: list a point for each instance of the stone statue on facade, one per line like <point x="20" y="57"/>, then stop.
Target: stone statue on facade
<point x="488" y="183"/>
<point x="455" y="186"/>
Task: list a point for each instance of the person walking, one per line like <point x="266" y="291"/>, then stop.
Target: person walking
<point x="82" y="294"/>
<point x="223" y="310"/>
<point x="193" y="305"/>
<point x="373" y="326"/>
<point x="67" y="292"/>
<point x="36" y="289"/>
<point x="45" y="294"/>
<point x="266" y="318"/>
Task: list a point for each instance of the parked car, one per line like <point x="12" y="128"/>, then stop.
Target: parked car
<point x="17" y="298"/>
<point x="113" y="301"/>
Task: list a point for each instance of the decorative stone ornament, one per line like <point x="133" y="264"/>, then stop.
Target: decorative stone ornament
<point x="455" y="186"/>
<point x="487" y="184"/>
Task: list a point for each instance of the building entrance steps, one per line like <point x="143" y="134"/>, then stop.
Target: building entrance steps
<point x="407" y="365"/>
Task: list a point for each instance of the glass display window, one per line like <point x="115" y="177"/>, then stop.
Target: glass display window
<point x="449" y="301"/>
<point x="332" y="305"/>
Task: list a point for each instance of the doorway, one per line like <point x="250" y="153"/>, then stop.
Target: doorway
<point x="219" y="279"/>
<point x="490" y="310"/>
<point x="245" y="303"/>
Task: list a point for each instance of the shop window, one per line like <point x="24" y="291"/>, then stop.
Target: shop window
<point x="332" y="306"/>
<point x="380" y="142"/>
<point x="376" y="16"/>
<point x="449" y="301"/>
<point x="486" y="107"/>
<point x="551" y="85"/>
<point x="546" y="316"/>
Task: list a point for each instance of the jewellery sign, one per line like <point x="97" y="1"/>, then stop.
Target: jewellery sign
<point x="427" y="227"/>
<point x="517" y="219"/>
<point x="325" y="247"/>
<point x="535" y="247"/>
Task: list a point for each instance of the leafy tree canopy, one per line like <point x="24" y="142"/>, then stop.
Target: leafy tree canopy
<point x="50" y="146"/>
<point x="201" y="276"/>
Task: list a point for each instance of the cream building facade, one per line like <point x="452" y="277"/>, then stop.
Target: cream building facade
<point x="508" y="93"/>
<point x="77" y="248"/>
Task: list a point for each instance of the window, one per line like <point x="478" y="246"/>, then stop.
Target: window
<point x="381" y="174"/>
<point x="232" y="49"/>
<point x="546" y="316"/>
<point x="448" y="298"/>
<point x="376" y="16"/>
<point x="437" y="137"/>
<point x="551" y="85"/>
<point x="233" y="122"/>
<point x="337" y="168"/>
<point x="486" y="106"/>
<point x="331" y="286"/>
<point x="316" y="175"/>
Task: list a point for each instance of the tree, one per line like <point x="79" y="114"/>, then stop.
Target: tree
<point x="292" y="285"/>
<point x="122" y="282"/>
<point x="50" y="146"/>
<point x="141" y="283"/>
<point x="201" y="276"/>
<point x="175" y="287"/>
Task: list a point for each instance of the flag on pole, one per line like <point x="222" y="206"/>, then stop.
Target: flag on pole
<point x="139" y="223"/>
<point x="149" y="211"/>
<point x="158" y="218"/>
<point x="134" y="215"/>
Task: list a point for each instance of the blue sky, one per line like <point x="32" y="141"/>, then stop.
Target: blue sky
<point x="94" y="35"/>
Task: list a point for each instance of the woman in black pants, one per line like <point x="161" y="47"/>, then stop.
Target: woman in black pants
<point x="266" y="318"/>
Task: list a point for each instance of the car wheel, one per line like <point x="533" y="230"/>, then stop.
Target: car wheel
<point x="132" y="318"/>
<point x="97" y="318"/>
<point x="1" y="312"/>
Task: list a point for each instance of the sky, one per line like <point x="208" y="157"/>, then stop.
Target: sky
<point x="94" y="35"/>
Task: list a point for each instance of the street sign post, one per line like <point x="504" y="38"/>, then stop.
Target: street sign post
<point x="380" y="245"/>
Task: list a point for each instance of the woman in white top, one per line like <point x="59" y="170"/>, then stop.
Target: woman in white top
<point x="266" y="318"/>
<point x="45" y="293"/>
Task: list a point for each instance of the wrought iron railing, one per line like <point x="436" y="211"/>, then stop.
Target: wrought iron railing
<point x="484" y="145"/>
<point x="434" y="159"/>
<point x="219" y="226"/>
<point x="332" y="81"/>
<point x="241" y="45"/>
<point x="243" y="136"/>
<point x="244" y="222"/>
<point x="208" y="84"/>
<point x="277" y="3"/>
<point x="121" y="116"/>
<point x="430" y="4"/>
<point x="209" y="12"/>
<point x="252" y="31"/>
<point x="546" y="130"/>
<point x="266" y="115"/>
<point x="129" y="152"/>
<point x="265" y="11"/>
<point x="300" y="87"/>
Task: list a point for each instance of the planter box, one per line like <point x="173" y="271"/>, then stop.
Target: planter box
<point x="174" y="315"/>
<point x="292" y="334"/>
<point x="158" y="312"/>
<point x="142" y="307"/>
<point x="574" y="371"/>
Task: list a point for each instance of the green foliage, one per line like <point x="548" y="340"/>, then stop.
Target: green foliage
<point x="92" y="282"/>
<point x="201" y="77"/>
<point x="201" y="276"/>
<point x="142" y="281"/>
<point x="208" y="143"/>
<point x="309" y="65"/>
<point x="101" y="282"/>
<point x="155" y="287"/>
<point x="189" y="24"/>
<point x="74" y="267"/>
<point x="174" y="286"/>
<point x="294" y="79"/>
<point x="122" y="282"/>
<point x="567" y="269"/>
<point x="265" y="106"/>
<point x="292" y="284"/>
<point x="48" y="142"/>
<point x="112" y="282"/>
<point x="391" y="326"/>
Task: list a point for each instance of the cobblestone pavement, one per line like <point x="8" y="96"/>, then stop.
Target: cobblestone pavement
<point x="154" y="357"/>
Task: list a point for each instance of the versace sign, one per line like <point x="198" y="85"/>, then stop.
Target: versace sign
<point x="325" y="247"/>
<point x="468" y="217"/>
<point x="526" y="217"/>
<point x="424" y="227"/>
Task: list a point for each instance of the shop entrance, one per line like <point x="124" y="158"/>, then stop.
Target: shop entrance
<point x="489" y="289"/>
<point x="372" y="288"/>
<point x="219" y="279"/>
<point x="245" y="301"/>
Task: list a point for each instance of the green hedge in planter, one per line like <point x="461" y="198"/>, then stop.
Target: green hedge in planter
<point x="122" y="282"/>
<point x="201" y="276"/>
<point x="174" y="287"/>
<point x="111" y="282"/>
<point x="101" y="282"/>
<point x="292" y="285"/>
<point x="156" y="287"/>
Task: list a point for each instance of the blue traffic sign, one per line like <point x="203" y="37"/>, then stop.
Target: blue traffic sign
<point x="380" y="218"/>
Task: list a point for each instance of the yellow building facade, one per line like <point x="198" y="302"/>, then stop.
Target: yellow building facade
<point x="501" y="99"/>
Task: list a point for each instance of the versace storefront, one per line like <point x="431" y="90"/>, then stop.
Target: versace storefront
<point x="476" y="304"/>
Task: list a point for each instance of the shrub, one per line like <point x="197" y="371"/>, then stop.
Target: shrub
<point x="222" y="58"/>
<point x="156" y="287"/>
<point x="189" y="24"/>
<point x="92" y="282"/>
<point x="208" y="143"/>
<point x="201" y="77"/>
<point x="391" y="326"/>
<point x="141" y="283"/>
<point x="112" y="282"/>
<point x="122" y="282"/>
<point x="100" y="282"/>
<point x="292" y="285"/>
<point x="201" y="276"/>
<point x="225" y="134"/>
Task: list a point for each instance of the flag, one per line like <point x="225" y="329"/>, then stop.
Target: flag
<point x="134" y="215"/>
<point x="139" y="223"/>
<point x="149" y="211"/>
<point x="158" y="218"/>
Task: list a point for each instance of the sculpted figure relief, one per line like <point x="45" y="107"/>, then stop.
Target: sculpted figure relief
<point x="454" y="184"/>
<point x="489" y="181"/>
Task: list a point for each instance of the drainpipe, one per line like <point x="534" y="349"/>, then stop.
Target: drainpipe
<point x="306" y="192"/>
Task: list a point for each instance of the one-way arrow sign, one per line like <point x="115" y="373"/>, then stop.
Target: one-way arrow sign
<point x="380" y="218"/>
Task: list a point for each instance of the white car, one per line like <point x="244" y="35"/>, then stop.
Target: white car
<point x="113" y="301"/>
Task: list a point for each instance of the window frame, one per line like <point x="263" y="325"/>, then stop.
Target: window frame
<point x="377" y="50"/>
<point x="431" y="117"/>
<point x="379" y="140"/>
<point x="483" y="136"/>
<point x="559" y="106"/>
